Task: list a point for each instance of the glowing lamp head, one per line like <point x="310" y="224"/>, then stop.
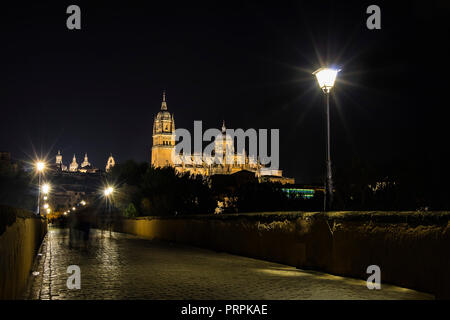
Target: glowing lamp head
<point x="46" y="206"/>
<point x="326" y="78"/>
<point x="40" y="166"/>
<point x="49" y="210"/>
<point x="46" y="188"/>
<point x="108" y="191"/>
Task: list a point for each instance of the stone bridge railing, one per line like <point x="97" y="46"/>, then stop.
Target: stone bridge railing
<point x="21" y="234"/>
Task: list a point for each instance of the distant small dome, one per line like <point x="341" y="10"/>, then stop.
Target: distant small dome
<point x="224" y="142"/>
<point x="224" y="136"/>
<point x="163" y="115"/>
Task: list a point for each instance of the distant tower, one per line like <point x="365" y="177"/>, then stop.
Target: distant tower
<point x="110" y="163"/>
<point x="163" y="137"/>
<point x="85" y="163"/>
<point x="59" y="164"/>
<point x="224" y="143"/>
<point x="59" y="158"/>
<point x="74" y="165"/>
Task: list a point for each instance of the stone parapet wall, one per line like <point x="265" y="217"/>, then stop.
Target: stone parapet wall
<point x="412" y="249"/>
<point x="21" y="234"/>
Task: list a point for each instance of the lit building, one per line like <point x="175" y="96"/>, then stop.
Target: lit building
<point x="110" y="163"/>
<point x="59" y="162"/>
<point x="163" y="153"/>
<point x="85" y="163"/>
<point x="74" y="165"/>
<point x="59" y="158"/>
<point x="163" y="137"/>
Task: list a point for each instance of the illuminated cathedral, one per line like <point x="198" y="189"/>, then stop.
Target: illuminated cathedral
<point x="84" y="167"/>
<point x="163" y="153"/>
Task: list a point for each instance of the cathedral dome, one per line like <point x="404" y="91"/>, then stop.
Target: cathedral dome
<point x="163" y="115"/>
<point x="224" y="143"/>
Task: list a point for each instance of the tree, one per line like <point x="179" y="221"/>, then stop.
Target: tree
<point x="16" y="186"/>
<point x="130" y="211"/>
<point x="160" y="191"/>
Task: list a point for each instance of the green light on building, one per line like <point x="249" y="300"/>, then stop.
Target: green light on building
<point x="299" y="192"/>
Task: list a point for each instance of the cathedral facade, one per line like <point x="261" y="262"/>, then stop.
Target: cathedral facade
<point x="230" y="161"/>
<point x="84" y="167"/>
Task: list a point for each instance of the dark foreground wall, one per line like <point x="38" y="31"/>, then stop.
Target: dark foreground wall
<point x="412" y="249"/>
<point x="21" y="234"/>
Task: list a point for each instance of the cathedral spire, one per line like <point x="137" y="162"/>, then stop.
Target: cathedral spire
<point x="74" y="165"/>
<point x="110" y="163"/>
<point x="163" y="103"/>
<point x="85" y="163"/>
<point x="223" y="126"/>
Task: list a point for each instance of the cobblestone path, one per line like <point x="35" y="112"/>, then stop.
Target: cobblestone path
<point x="120" y="266"/>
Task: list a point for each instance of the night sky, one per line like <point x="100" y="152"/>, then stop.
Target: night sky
<point x="97" y="89"/>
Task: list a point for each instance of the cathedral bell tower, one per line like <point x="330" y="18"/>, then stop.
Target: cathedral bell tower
<point x="59" y="158"/>
<point x="163" y="137"/>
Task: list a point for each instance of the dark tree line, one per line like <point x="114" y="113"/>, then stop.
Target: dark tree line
<point x="18" y="188"/>
<point x="408" y="185"/>
<point x="143" y="190"/>
<point x="413" y="184"/>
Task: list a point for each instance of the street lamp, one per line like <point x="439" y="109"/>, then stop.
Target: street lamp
<point x="46" y="188"/>
<point x="40" y="167"/>
<point x="326" y="78"/>
<point x="108" y="191"/>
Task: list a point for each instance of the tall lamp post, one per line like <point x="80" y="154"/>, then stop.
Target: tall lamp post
<point x="40" y="167"/>
<point x="108" y="193"/>
<point x="326" y="78"/>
